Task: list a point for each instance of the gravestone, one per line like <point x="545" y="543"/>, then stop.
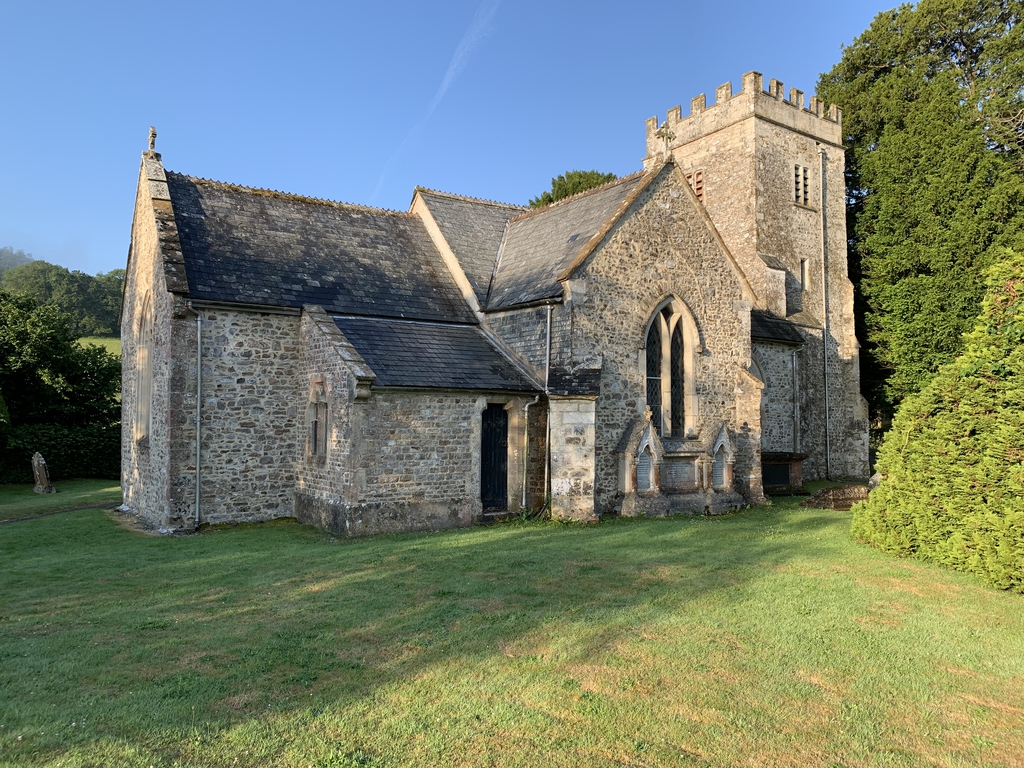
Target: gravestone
<point x="41" y="474"/>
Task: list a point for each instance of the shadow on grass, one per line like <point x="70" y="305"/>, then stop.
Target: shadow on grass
<point x="143" y="638"/>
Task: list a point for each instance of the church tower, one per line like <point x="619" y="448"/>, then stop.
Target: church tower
<point x="770" y="173"/>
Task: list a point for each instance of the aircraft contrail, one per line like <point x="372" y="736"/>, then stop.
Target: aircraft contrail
<point x="478" y="29"/>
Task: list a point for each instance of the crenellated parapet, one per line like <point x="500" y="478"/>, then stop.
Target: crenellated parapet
<point x="813" y="119"/>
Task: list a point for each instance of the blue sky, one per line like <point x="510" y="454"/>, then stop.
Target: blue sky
<point x="359" y="102"/>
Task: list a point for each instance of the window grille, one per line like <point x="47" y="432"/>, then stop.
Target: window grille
<point x="696" y="180"/>
<point x="654" y="374"/>
<point x="677" y="381"/>
<point x="801" y="185"/>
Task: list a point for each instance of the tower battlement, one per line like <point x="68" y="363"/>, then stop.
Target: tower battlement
<point x="815" y="119"/>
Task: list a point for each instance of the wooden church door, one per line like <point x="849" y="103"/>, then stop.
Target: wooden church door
<point x="494" y="458"/>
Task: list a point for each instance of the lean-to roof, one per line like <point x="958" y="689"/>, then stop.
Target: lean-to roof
<point x="431" y="355"/>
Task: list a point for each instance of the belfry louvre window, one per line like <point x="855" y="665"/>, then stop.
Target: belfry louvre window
<point x="696" y="180"/>
<point x="670" y="355"/>
<point x="801" y="177"/>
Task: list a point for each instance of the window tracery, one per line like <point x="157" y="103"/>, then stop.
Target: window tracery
<point x="670" y="348"/>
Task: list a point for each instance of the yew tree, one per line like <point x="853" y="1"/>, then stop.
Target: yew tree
<point x="933" y="109"/>
<point x="953" y="463"/>
<point x="571" y="183"/>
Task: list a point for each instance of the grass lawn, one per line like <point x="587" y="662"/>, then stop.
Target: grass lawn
<point x="110" y="343"/>
<point x="766" y="638"/>
<point x="21" y="501"/>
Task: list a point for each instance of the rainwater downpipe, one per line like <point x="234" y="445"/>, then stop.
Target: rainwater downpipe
<point x="824" y="329"/>
<point x="547" y="424"/>
<point x="199" y="400"/>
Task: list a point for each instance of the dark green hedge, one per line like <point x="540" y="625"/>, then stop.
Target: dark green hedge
<point x="953" y="462"/>
<point x="89" y="451"/>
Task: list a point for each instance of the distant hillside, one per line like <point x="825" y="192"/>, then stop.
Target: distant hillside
<point x="93" y="302"/>
<point x="11" y="258"/>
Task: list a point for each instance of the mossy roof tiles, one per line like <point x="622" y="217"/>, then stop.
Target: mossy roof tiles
<point x="541" y="244"/>
<point x="765" y="325"/>
<point x="256" y="247"/>
<point x="431" y="355"/>
<point x="473" y="229"/>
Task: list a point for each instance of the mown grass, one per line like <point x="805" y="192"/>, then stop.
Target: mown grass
<point x="110" y="343"/>
<point x="17" y="501"/>
<point x="762" y="638"/>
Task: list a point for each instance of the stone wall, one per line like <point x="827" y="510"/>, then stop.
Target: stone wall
<point x="328" y="476"/>
<point x="664" y="247"/>
<point x="150" y="475"/>
<point x="252" y="410"/>
<point x="747" y="145"/>
<point x="572" y="434"/>
<point x="780" y="403"/>
<point x="525" y="332"/>
<point x="406" y="460"/>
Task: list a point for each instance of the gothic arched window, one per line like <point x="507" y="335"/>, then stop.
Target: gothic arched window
<point x="670" y="349"/>
<point x="144" y="372"/>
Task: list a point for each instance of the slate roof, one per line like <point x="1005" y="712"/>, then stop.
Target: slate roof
<point x="765" y="325"/>
<point x="541" y="244"/>
<point x="266" y="248"/>
<point x="473" y="229"/>
<point x="431" y="355"/>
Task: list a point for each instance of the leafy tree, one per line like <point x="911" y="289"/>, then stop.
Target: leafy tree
<point x="930" y="95"/>
<point x="953" y="462"/>
<point x="56" y="397"/>
<point x="571" y="183"/>
<point x="46" y="377"/>
<point x="92" y="302"/>
<point x="12" y="258"/>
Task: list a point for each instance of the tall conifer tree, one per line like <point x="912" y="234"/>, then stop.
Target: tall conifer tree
<point x="932" y="96"/>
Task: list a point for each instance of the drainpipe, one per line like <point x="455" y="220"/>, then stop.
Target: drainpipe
<point x="547" y="439"/>
<point x="824" y="329"/>
<point x="199" y="400"/>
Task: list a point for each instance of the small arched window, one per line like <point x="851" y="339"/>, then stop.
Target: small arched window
<point x="144" y="371"/>
<point x="670" y="349"/>
<point x="317" y="422"/>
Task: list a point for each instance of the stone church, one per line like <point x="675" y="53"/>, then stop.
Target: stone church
<point x="677" y="340"/>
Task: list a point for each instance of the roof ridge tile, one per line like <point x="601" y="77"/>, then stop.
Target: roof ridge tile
<point x="467" y="198"/>
<point x="263" y="192"/>
<point x="585" y="193"/>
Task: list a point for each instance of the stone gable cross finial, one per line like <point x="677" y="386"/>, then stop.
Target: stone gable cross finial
<point x="665" y="133"/>
<point x="152" y="139"/>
